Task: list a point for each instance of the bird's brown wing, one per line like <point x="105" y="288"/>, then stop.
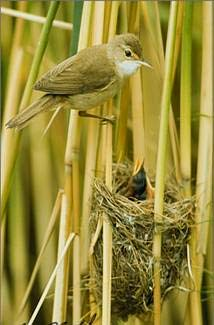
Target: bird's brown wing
<point x="79" y="74"/>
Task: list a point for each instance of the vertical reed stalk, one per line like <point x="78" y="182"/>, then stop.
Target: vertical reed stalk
<point x="50" y="228"/>
<point x="93" y="128"/>
<point x="41" y="179"/>
<point x="77" y="14"/>
<point x="14" y="72"/>
<point x="123" y="17"/>
<point x="205" y="149"/>
<point x="61" y="283"/>
<point x="104" y="14"/>
<point x="17" y="239"/>
<point x="204" y="167"/>
<point x="52" y="277"/>
<point x="137" y="117"/>
<point x="137" y="101"/>
<point x="162" y="155"/>
<point x="121" y="130"/>
<point x="185" y="101"/>
<point x="107" y="237"/>
<point x="121" y="135"/>
<point x="172" y="125"/>
<point x="11" y="105"/>
<point x="138" y="130"/>
<point x="151" y="79"/>
<point x="92" y="146"/>
<point x="18" y="248"/>
<point x="12" y="154"/>
<point x="76" y="182"/>
<point x="185" y="116"/>
<point x="71" y="166"/>
<point x="71" y="182"/>
<point x="107" y="230"/>
<point x="74" y="155"/>
<point x="153" y="50"/>
<point x="179" y="31"/>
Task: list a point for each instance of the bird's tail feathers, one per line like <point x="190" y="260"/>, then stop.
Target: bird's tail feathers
<point x="40" y="105"/>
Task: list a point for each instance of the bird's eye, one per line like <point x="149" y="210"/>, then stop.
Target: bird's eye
<point x="128" y="53"/>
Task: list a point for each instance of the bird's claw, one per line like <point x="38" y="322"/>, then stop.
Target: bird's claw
<point x="108" y="119"/>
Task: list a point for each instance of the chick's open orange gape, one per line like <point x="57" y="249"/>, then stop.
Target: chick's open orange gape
<point x="87" y="79"/>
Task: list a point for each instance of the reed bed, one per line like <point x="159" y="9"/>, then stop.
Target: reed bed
<point x="57" y="190"/>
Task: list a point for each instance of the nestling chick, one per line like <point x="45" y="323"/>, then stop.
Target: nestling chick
<point x="139" y="186"/>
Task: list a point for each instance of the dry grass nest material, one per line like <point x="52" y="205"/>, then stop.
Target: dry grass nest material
<point x="133" y="229"/>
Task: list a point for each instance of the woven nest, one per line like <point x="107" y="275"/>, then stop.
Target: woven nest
<point x="133" y="229"/>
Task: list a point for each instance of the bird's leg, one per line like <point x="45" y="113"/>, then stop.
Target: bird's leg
<point x="110" y="119"/>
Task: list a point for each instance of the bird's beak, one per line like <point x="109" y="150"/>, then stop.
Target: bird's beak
<point x="142" y="62"/>
<point x="146" y="64"/>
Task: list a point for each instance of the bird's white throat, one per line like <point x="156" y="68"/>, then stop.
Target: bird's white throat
<point x="128" y="67"/>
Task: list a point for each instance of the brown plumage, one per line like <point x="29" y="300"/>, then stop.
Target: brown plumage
<point x="79" y="74"/>
<point x="85" y="80"/>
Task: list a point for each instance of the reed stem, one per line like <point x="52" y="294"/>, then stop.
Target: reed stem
<point x="72" y="194"/>
<point x="40" y="50"/>
<point x="185" y="101"/>
<point x="11" y="104"/>
<point x="35" y="18"/>
<point x="204" y="168"/>
<point x="162" y="156"/>
<point x="74" y="150"/>
<point x="50" y="228"/>
<point x="52" y="277"/>
<point x="93" y="127"/>
<point x="107" y="230"/>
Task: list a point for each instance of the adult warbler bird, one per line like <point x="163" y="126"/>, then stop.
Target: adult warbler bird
<point x="85" y="80"/>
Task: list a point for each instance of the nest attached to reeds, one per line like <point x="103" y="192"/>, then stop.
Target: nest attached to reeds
<point x="133" y="230"/>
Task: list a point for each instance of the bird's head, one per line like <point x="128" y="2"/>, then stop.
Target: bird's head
<point x="127" y="53"/>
